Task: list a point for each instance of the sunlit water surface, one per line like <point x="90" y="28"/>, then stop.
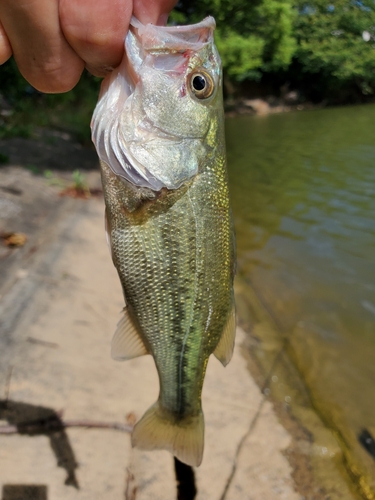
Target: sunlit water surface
<point x="303" y="195"/>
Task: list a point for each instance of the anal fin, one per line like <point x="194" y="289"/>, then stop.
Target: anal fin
<point x="224" y="349"/>
<point x="127" y="342"/>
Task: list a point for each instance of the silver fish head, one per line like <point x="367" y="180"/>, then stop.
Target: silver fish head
<point x="154" y="122"/>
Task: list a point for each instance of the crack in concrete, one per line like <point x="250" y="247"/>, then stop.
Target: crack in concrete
<point x="254" y="420"/>
<point x="239" y="448"/>
<point x="131" y="487"/>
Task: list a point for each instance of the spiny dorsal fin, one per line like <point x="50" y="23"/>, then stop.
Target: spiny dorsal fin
<point x="224" y="349"/>
<point x="127" y="343"/>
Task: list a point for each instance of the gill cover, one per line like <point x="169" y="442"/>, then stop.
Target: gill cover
<point x="151" y="122"/>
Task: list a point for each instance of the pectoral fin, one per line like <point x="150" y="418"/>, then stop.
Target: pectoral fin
<point x="108" y="232"/>
<point x="224" y="349"/>
<point x="127" y="342"/>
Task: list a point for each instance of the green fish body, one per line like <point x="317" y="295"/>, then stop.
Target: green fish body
<point x="170" y="227"/>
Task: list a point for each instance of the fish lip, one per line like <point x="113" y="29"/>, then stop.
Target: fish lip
<point x="207" y="22"/>
<point x="155" y="38"/>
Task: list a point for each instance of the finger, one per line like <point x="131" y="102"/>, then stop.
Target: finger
<point x="96" y="31"/>
<point x="153" y="11"/>
<point x="5" y="48"/>
<point x="42" y="54"/>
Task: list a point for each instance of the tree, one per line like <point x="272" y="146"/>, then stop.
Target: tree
<point x="336" y="40"/>
<point x="251" y="36"/>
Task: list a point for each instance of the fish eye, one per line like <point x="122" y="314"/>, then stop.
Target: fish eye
<point x="201" y="84"/>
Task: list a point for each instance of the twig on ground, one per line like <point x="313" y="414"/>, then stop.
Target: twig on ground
<point x="33" y="340"/>
<point x="55" y="424"/>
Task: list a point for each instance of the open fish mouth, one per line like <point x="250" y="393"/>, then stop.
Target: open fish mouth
<point x="175" y="38"/>
<point x="140" y="143"/>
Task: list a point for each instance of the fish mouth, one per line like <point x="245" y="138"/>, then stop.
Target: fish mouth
<point x="175" y="38"/>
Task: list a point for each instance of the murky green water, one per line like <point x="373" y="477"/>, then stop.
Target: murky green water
<point x="303" y="195"/>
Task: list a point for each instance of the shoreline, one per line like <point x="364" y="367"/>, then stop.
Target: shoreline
<point x="262" y="107"/>
<point x="321" y="463"/>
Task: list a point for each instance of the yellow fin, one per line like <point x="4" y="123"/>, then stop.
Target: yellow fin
<point x="185" y="439"/>
<point x="224" y="349"/>
<point x="127" y="342"/>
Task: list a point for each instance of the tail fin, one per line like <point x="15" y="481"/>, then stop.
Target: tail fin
<point x="184" y="439"/>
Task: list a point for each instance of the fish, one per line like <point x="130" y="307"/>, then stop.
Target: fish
<point x="158" y="128"/>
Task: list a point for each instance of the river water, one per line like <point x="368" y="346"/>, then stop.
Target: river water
<point x="303" y="196"/>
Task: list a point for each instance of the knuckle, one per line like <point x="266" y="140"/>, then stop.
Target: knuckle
<point x="54" y="77"/>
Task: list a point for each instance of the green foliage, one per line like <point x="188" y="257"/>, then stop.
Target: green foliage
<point x="242" y="56"/>
<point x="331" y="43"/>
<point x="314" y="45"/>
<point x="13" y="128"/>
<point x="13" y="85"/>
<point x="275" y="20"/>
<point x="32" y="168"/>
<point x="51" y="179"/>
<point x="79" y="180"/>
<point x="251" y="36"/>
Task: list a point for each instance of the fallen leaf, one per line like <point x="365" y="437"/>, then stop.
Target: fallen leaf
<point x="131" y="418"/>
<point x="74" y="192"/>
<point x="14" y="239"/>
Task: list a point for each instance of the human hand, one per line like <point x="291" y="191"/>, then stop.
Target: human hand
<point x="53" y="40"/>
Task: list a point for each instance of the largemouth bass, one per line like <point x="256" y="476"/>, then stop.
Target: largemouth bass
<point x="159" y="131"/>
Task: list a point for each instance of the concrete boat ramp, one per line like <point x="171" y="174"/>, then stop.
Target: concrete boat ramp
<point x="65" y="405"/>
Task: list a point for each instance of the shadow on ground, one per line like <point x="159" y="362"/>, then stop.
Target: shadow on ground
<point x="24" y="492"/>
<point x="34" y="420"/>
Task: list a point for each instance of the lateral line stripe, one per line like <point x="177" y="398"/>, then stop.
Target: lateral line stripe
<point x="186" y="336"/>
